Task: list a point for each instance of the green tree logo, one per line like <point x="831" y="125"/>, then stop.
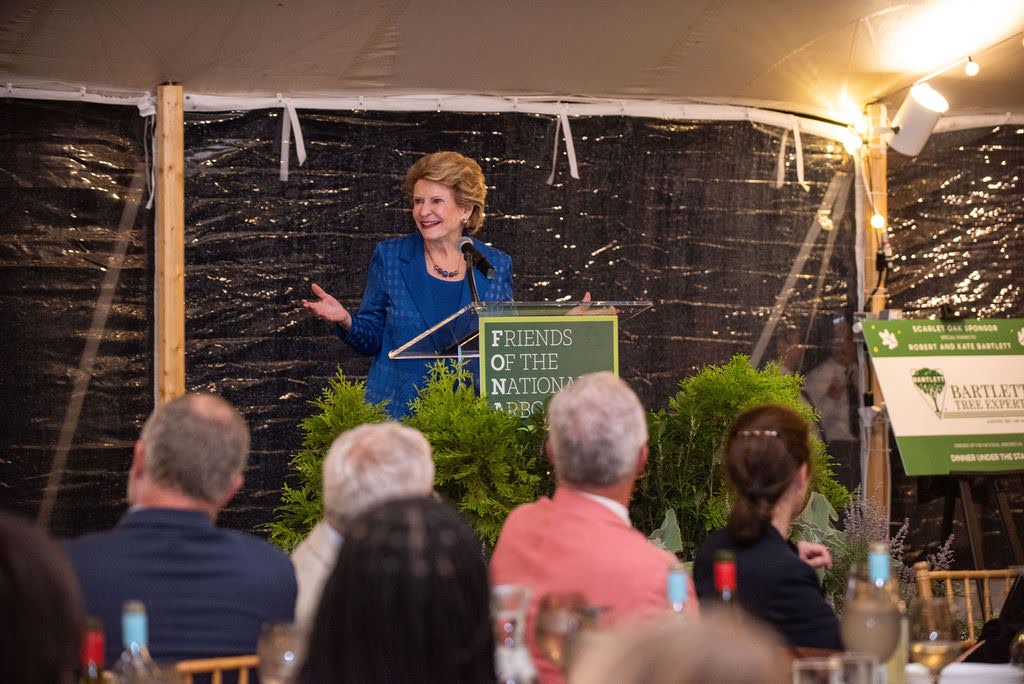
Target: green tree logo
<point x="930" y="382"/>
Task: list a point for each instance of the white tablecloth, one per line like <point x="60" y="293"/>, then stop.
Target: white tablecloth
<point x="967" y="673"/>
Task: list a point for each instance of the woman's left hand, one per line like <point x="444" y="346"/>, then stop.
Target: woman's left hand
<point x="815" y="555"/>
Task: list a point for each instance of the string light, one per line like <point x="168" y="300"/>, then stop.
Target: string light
<point x="971" y="68"/>
<point x="877" y="221"/>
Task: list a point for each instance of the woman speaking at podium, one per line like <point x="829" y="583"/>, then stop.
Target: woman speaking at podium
<point x="416" y="281"/>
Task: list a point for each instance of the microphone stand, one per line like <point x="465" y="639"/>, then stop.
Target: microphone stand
<point x="470" y="268"/>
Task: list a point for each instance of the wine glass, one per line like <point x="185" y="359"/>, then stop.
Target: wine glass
<point x="281" y="648"/>
<point x="1017" y="650"/>
<point x="933" y="639"/>
<point x="558" y="620"/>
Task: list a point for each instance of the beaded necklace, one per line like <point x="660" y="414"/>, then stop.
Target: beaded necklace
<point x="440" y="271"/>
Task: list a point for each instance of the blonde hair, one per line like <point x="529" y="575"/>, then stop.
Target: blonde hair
<point x="460" y="174"/>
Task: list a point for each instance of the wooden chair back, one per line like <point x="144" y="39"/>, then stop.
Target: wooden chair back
<point x="216" y="667"/>
<point x="958" y="583"/>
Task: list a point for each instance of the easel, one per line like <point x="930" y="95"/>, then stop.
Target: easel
<point x="972" y="520"/>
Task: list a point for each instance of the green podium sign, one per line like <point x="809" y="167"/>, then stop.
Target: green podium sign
<point x="526" y="359"/>
<point x="954" y="392"/>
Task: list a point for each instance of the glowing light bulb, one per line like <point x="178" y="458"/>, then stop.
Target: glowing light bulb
<point x="877" y="221"/>
<point x="971" y="68"/>
<point x="851" y="141"/>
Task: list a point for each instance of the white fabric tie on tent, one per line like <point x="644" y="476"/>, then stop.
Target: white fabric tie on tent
<point x="290" y="124"/>
<point x="780" y="168"/>
<point x="562" y="124"/>
<point x="495" y="104"/>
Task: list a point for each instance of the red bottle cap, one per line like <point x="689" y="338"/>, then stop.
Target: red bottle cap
<point x="92" y="647"/>
<point x="725" y="575"/>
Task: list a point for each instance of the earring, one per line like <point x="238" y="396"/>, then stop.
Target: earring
<point x="465" y="221"/>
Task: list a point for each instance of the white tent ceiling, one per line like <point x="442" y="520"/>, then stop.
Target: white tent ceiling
<point x="809" y="57"/>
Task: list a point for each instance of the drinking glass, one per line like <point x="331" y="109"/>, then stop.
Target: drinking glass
<point x="933" y="639"/>
<point x="512" y="662"/>
<point x="281" y="648"/>
<point x="509" y="603"/>
<point x="858" y="668"/>
<point x="827" y="670"/>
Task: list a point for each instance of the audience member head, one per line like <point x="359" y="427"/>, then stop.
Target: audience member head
<point x="408" y="600"/>
<point x="789" y="350"/>
<point x="767" y="465"/>
<point x="843" y="348"/>
<point x="460" y="174"/>
<point x="597" y="432"/>
<point x="371" y="464"/>
<point x="40" y="607"/>
<point x="674" y="651"/>
<point x="192" y="451"/>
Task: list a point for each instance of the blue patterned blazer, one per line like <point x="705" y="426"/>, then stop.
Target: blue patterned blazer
<point x="397" y="305"/>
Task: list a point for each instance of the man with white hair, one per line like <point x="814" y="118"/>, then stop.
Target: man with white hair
<point x="365" y="466"/>
<point x="207" y="590"/>
<point x="581" y="539"/>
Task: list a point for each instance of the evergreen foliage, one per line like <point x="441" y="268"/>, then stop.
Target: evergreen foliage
<point x="487" y="461"/>
<point x="340" y="407"/>
<point x="483" y="458"/>
<point x="686" y="442"/>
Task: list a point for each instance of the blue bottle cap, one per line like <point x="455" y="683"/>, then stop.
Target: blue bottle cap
<point x="677" y="587"/>
<point x="878" y="566"/>
<point x="134" y="628"/>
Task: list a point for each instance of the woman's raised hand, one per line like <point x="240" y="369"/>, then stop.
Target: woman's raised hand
<point x="328" y="308"/>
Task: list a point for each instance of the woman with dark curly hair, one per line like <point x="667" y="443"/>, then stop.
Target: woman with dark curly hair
<point x="767" y="466"/>
<point x="408" y="601"/>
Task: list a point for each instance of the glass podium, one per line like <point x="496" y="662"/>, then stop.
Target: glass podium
<point x="457" y="336"/>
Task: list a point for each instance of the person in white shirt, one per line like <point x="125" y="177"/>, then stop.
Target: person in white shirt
<point x="364" y="467"/>
<point x="833" y="390"/>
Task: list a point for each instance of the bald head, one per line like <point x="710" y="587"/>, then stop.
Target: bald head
<point x="196" y="445"/>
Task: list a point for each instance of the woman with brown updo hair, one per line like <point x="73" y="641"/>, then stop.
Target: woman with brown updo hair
<point x="416" y="281"/>
<point x="767" y="464"/>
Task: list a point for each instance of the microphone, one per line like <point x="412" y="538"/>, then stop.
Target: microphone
<point x="469" y="250"/>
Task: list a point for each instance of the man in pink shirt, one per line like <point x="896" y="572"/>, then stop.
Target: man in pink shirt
<point x="581" y="539"/>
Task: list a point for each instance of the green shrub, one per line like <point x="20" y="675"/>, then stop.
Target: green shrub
<point x="485" y="460"/>
<point x="340" y="407"/>
<point x="683" y="471"/>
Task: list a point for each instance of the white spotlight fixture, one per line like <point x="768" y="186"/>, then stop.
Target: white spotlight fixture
<point x="971" y="68"/>
<point x="917" y="116"/>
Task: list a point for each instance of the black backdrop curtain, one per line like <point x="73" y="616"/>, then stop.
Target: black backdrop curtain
<point x="685" y="214"/>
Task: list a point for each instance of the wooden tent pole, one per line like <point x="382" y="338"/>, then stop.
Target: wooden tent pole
<point x="169" y="362"/>
<point x="877" y="471"/>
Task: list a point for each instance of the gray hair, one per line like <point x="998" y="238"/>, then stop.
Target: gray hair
<point x="195" y="444"/>
<point x="596" y="428"/>
<point x="372" y="464"/>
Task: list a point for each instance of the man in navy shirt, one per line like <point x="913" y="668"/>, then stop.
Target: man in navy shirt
<point x="207" y="590"/>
